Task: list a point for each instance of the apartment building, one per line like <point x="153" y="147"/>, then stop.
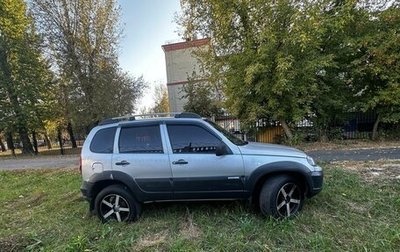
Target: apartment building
<point x="180" y="65"/>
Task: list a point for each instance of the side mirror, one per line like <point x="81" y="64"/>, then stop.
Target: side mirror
<point x="221" y="150"/>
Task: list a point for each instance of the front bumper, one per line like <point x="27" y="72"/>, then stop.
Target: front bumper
<point x="317" y="179"/>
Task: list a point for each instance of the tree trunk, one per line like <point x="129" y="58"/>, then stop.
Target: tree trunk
<point x="60" y="141"/>
<point x="375" y="128"/>
<point x="35" y="144"/>
<point x="47" y="140"/>
<point x="323" y="136"/>
<point x="2" y="146"/>
<point x="288" y="131"/>
<point x="26" y="142"/>
<point x="10" y="143"/>
<point x="71" y="135"/>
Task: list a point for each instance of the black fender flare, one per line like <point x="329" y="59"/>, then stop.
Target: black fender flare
<point x="280" y="167"/>
<point x="117" y="177"/>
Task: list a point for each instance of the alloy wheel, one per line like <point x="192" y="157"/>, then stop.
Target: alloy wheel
<point x="288" y="200"/>
<point x="114" y="206"/>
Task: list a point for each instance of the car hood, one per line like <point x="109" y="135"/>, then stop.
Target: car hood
<point x="270" y="150"/>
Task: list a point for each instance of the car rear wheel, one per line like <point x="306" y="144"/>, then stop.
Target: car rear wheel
<point x="116" y="203"/>
<point x="281" y="197"/>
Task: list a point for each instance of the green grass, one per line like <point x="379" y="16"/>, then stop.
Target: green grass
<point x="43" y="210"/>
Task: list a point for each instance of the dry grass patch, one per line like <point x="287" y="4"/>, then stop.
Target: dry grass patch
<point x="188" y="228"/>
<point x="13" y="243"/>
<point x="148" y="241"/>
<point x="379" y="170"/>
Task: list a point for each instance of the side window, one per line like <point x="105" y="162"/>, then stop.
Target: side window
<point x="103" y="141"/>
<point x="192" y="139"/>
<point x="141" y="139"/>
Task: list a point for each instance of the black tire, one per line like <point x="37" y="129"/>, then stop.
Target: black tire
<point x="277" y="198"/>
<point x="116" y="202"/>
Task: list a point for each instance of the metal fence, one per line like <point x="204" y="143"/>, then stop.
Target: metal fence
<point x="352" y="125"/>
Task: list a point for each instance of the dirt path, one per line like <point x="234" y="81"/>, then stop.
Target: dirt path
<point x="67" y="161"/>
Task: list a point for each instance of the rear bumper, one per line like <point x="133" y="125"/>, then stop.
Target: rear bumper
<point x="317" y="179"/>
<point x="86" y="190"/>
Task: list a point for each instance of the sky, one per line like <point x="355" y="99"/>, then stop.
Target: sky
<point x="147" y="24"/>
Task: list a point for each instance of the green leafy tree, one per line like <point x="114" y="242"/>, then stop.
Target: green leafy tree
<point x="376" y="72"/>
<point x="82" y="37"/>
<point x="201" y="99"/>
<point x="267" y="51"/>
<point x="24" y="74"/>
<point x="161" y="100"/>
<point x="342" y="22"/>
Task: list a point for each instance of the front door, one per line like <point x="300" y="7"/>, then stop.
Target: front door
<point x="142" y="155"/>
<point x="197" y="172"/>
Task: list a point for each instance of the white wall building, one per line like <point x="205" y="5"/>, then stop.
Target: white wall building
<point x="180" y="64"/>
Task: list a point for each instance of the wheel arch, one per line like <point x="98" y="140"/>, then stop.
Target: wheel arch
<point x="267" y="171"/>
<point x="100" y="185"/>
<point x="102" y="180"/>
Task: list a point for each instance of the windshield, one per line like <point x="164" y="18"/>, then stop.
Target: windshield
<point x="227" y="134"/>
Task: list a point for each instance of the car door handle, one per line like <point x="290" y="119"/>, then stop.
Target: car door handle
<point x="180" y="161"/>
<point x="123" y="162"/>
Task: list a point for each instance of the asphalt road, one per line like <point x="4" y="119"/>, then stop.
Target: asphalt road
<point x="72" y="161"/>
<point x="355" y="155"/>
<point x="67" y="161"/>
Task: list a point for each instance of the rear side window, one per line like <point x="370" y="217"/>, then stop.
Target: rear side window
<point x="103" y="141"/>
<point x="141" y="139"/>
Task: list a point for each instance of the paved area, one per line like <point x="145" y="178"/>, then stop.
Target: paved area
<point x="67" y="161"/>
<point x="72" y="161"/>
<point x="355" y="155"/>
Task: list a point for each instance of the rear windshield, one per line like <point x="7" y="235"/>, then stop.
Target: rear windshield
<point x="103" y="141"/>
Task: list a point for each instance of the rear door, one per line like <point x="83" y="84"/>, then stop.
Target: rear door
<point x="197" y="172"/>
<point x="141" y="153"/>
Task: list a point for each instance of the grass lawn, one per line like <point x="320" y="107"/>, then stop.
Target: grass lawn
<point x="43" y="210"/>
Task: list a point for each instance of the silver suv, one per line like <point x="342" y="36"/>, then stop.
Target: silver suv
<point x="126" y="162"/>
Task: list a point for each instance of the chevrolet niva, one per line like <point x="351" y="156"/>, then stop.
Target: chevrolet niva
<point x="128" y="161"/>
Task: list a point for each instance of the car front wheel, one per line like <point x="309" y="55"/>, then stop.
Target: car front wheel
<point x="281" y="196"/>
<point x="116" y="202"/>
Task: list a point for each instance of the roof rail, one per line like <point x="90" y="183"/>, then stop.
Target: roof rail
<point x="187" y="115"/>
<point x="154" y="115"/>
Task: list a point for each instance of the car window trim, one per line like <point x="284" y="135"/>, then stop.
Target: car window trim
<point x="198" y="125"/>
<point x="194" y="124"/>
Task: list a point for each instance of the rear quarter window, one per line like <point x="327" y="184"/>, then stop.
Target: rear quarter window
<point x="103" y="141"/>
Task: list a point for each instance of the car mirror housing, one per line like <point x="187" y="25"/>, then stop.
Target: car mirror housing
<point x="221" y="150"/>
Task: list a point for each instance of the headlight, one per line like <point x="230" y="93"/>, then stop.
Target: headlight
<point x="311" y="161"/>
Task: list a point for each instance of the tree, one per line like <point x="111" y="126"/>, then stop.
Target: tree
<point x="82" y="37"/>
<point x="161" y="100"/>
<point x="376" y="72"/>
<point x="24" y="74"/>
<point x="342" y="23"/>
<point x="2" y="146"/>
<point x="201" y="99"/>
<point x="268" y="52"/>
